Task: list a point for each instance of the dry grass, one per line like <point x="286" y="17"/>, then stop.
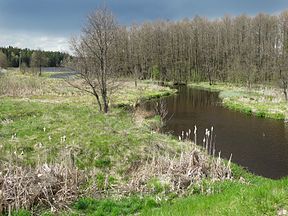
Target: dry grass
<point x="49" y="185"/>
<point x="11" y="86"/>
<point x="177" y="174"/>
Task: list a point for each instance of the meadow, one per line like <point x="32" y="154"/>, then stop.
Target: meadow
<point x="85" y="162"/>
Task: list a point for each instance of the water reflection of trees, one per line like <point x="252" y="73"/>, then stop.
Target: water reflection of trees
<point x="193" y="99"/>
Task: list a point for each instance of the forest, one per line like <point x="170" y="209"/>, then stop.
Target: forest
<point x="12" y="56"/>
<point x="240" y="49"/>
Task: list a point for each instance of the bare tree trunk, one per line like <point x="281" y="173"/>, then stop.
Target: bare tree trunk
<point x="40" y="70"/>
<point x="97" y="99"/>
<point x="135" y="75"/>
<point x="105" y="102"/>
<point x="285" y="87"/>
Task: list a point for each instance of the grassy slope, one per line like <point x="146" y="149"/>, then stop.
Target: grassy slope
<point x="98" y="139"/>
<point x="259" y="196"/>
<point x="254" y="196"/>
<point x="262" y="102"/>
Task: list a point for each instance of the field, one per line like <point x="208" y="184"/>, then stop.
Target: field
<point x="112" y="164"/>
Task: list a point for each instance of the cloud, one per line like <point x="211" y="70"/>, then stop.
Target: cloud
<point x="34" y="41"/>
<point x="55" y="20"/>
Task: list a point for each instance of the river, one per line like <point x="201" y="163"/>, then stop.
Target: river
<point x="258" y="144"/>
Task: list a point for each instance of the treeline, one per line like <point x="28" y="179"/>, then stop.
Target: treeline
<point x="236" y="49"/>
<point x="14" y="55"/>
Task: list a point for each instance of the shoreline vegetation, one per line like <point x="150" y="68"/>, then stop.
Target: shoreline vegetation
<point x="85" y="162"/>
<point x="261" y="101"/>
<point x="53" y="136"/>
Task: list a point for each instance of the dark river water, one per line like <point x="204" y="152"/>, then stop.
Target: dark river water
<point x="260" y="145"/>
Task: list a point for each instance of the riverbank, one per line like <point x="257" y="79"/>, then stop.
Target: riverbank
<point x="53" y="136"/>
<point x="116" y="163"/>
<point x="253" y="196"/>
<point x="267" y="102"/>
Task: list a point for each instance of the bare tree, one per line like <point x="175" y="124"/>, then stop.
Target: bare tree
<point x="95" y="56"/>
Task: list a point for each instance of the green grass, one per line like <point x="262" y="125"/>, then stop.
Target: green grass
<point x="124" y="206"/>
<point x="112" y="142"/>
<point x="264" y="199"/>
<point x="97" y="139"/>
<point x="258" y="196"/>
<point x="261" y="102"/>
<point x="50" y="74"/>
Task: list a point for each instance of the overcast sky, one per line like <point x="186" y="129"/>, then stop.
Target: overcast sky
<point x="48" y="24"/>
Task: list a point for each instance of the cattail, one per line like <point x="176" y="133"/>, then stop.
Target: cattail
<point x="195" y="134"/>
<point x="211" y="141"/>
<point x="14" y="136"/>
<point x="63" y="139"/>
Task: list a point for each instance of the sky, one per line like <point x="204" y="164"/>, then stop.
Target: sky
<point x="48" y="24"/>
